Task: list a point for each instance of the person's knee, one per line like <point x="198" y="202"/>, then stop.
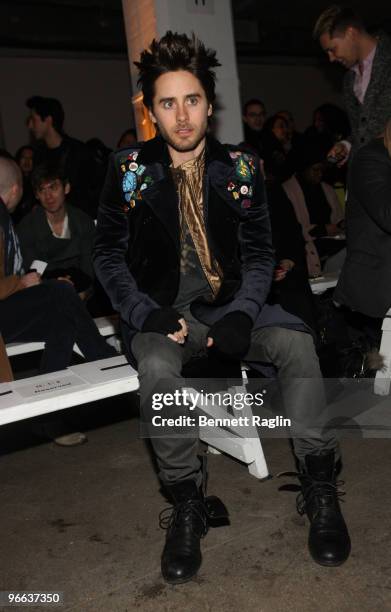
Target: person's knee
<point x="300" y="344"/>
<point x="291" y="344"/>
<point x="61" y="294"/>
<point x="62" y="289"/>
<point x="158" y="357"/>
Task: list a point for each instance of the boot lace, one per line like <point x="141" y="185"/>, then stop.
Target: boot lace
<point x="322" y="491"/>
<point x="172" y="516"/>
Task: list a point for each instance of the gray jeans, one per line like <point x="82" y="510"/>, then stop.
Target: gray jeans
<point x="160" y="362"/>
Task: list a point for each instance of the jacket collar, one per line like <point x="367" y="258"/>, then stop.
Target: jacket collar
<point x="154" y="156"/>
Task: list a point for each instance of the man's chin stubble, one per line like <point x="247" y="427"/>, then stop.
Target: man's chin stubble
<point x="185" y="147"/>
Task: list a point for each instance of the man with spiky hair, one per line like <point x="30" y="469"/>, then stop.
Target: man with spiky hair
<point x="342" y="34"/>
<point x="184" y="251"/>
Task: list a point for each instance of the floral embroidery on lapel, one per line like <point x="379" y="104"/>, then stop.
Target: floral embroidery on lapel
<point x="133" y="179"/>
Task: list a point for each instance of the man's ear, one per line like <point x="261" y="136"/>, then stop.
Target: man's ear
<point x="152" y="116"/>
<point x="67" y="188"/>
<point x="351" y="33"/>
<point x="17" y="191"/>
<point x="210" y="110"/>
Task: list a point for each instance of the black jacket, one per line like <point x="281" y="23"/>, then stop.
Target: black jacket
<point x="137" y="249"/>
<point x="365" y="280"/>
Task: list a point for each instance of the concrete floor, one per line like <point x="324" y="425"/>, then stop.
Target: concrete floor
<point x="84" y="521"/>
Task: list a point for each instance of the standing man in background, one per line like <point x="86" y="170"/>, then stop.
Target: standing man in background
<point x="367" y="84"/>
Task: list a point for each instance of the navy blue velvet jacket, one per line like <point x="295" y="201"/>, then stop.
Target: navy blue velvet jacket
<point x="137" y="248"/>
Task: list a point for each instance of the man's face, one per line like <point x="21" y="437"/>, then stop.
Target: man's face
<point x="14" y="197"/>
<point x="280" y="129"/>
<point x="26" y="161"/>
<point x="180" y="110"/>
<point x="342" y="48"/>
<point x="255" y="116"/>
<point x="51" y="195"/>
<point x="37" y="126"/>
<point x="289" y="121"/>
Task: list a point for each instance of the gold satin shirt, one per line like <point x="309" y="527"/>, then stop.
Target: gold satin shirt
<point x="188" y="179"/>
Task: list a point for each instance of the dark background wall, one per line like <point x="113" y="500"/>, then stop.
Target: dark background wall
<point x="76" y="50"/>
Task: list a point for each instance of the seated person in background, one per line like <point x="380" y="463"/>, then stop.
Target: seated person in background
<point x="294" y="137"/>
<point x="291" y="287"/>
<point x="364" y="284"/>
<point x="32" y="310"/>
<point x="127" y="139"/>
<point x="330" y="124"/>
<point x="254" y="115"/>
<point x="275" y="149"/>
<point x="24" y="157"/>
<point x="316" y="207"/>
<point x="56" y="232"/>
<point x="45" y="122"/>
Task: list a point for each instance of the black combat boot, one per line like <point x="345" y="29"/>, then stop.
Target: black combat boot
<point x="189" y="521"/>
<point x="329" y="541"/>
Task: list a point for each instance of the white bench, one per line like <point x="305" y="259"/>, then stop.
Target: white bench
<point x="242" y="443"/>
<point x="383" y="377"/>
<point x="321" y="283"/>
<point x="30" y="397"/>
<point x="91" y="381"/>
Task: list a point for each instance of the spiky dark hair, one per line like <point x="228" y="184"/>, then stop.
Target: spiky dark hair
<point x="177" y="52"/>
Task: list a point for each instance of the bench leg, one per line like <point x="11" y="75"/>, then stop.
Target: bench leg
<point x="213" y="451"/>
<point x="234" y="443"/>
<point x="258" y="467"/>
<point x="383" y="377"/>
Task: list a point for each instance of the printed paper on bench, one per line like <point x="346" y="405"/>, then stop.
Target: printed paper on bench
<point x="50" y="385"/>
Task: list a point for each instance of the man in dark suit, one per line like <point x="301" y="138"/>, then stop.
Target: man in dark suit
<point x="184" y="251"/>
<point x="367" y="84"/>
<point x="365" y="281"/>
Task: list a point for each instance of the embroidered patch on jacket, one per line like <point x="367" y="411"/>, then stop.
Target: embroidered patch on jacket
<point x="133" y="179"/>
<point x="242" y="189"/>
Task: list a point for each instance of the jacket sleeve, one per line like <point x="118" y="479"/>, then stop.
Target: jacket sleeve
<point x="8" y="284"/>
<point x="27" y="241"/>
<point x="346" y="94"/>
<point x="256" y="253"/>
<point x="86" y="244"/>
<point x="287" y="234"/>
<point x="109" y="254"/>
<point x="370" y="183"/>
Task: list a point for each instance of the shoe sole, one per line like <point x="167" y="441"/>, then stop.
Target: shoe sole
<point x="70" y="440"/>
<point x="324" y="564"/>
<point x="179" y="581"/>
